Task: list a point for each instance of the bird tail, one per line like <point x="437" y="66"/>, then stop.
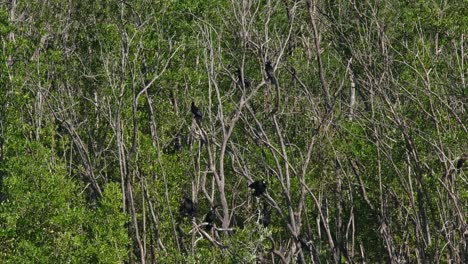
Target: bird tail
<point x="273" y="80"/>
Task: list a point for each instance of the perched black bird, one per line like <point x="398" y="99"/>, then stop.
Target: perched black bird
<point x="270" y="73"/>
<point x="304" y="243"/>
<point x="210" y="217"/>
<point x="175" y="145"/>
<point x="247" y="82"/>
<point x="187" y="207"/>
<point x="196" y="112"/>
<point x="259" y="187"/>
<point x="265" y="220"/>
<point x="461" y="160"/>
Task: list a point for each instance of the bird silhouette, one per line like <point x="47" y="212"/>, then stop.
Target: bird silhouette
<point x="196" y="112"/>
<point x="187" y="207"/>
<point x="461" y="160"/>
<point x="259" y="187"/>
<point x="247" y="82"/>
<point x="270" y="73"/>
<point x="175" y="145"/>
<point x="304" y="243"/>
<point x="210" y="217"/>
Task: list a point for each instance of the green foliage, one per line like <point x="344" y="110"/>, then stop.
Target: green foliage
<point x="99" y="92"/>
<point x="44" y="218"/>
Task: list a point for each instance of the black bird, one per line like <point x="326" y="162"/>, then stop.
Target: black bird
<point x="210" y="217"/>
<point x="187" y="207"/>
<point x="259" y="187"/>
<point x="265" y="220"/>
<point x="196" y="112"/>
<point x="247" y="82"/>
<point x="304" y="243"/>
<point x="461" y="160"/>
<point x="175" y="145"/>
<point x="270" y="73"/>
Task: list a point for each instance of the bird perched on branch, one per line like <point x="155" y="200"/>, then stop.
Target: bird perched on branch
<point x="246" y="83"/>
<point x="196" y="113"/>
<point x="210" y="217"/>
<point x="304" y="243"/>
<point x="187" y="207"/>
<point x="270" y="73"/>
<point x="461" y="160"/>
<point x="259" y="187"/>
<point x="175" y="145"/>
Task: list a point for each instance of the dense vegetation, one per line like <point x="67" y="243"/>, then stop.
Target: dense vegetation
<point x="358" y="131"/>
